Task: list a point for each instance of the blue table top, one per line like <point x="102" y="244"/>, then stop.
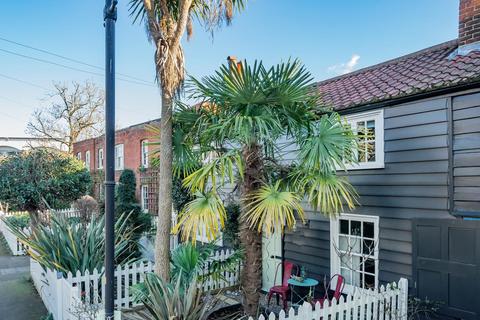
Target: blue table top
<point x="307" y="282"/>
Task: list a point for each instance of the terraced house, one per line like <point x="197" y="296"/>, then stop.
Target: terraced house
<point x="418" y="178"/>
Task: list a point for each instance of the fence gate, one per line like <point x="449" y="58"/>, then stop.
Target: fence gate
<point x="446" y="265"/>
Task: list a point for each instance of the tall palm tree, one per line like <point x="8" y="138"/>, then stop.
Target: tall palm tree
<point x="248" y="117"/>
<point x="167" y="21"/>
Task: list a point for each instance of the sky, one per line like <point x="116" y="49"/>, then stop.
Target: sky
<point x="329" y="37"/>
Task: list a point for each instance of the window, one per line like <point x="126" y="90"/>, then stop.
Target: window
<point x="79" y="156"/>
<point x="100" y="159"/>
<point x="119" y="157"/>
<point x="144" y="152"/>
<point x="87" y="160"/>
<point x="354" y="250"/>
<point x="369" y="128"/>
<point x="144" y="199"/>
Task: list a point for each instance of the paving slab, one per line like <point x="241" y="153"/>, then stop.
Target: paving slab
<point x="18" y="298"/>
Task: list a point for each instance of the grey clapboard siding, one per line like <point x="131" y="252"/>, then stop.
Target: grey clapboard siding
<point x="413" y="184"/>
<point x="466" y="153"/>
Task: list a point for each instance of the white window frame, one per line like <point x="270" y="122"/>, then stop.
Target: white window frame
<point x="119" y="157"/>
<point x="100" y="158"/>
<point x="144" y="197"/>
<point x="87" y="160"/>
<point x="377" y="116"/>
<point x="79" y="156"/>
<point x="144" y="153"/>
<point x="334" y="241"/>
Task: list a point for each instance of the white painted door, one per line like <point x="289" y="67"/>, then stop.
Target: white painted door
<point x="271" y="257"/>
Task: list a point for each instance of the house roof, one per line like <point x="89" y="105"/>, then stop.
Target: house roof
<point x="422" y="71"/>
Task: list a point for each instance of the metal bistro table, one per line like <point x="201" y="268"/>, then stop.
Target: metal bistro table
<point x="306" y="283"/>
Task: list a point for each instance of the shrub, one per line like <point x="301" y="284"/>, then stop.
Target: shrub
<point x="230" y="231"/>
<point x="188" y="261"/>
<point x="19" y="220"/>
<point x="70" y="246"/>
<point x="37" y="179"/>
<point x="126" y="202"/>
<point x="87" y="207"/>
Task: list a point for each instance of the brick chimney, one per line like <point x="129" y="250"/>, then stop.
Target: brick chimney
<point x="232" y="62"/>
<point x="469" y="22"/>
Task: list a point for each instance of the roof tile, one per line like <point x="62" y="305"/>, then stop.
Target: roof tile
<point x="421" y="71"/>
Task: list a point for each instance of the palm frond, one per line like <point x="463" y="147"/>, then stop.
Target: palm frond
<point x="217" y="171"/>
<point x="205" y="211"/>
<point x="270" y="209"/>
<point x="328" y="145"/>
<point x="325" y="192"/>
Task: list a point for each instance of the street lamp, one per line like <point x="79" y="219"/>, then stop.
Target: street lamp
<point x="109" y="16"/>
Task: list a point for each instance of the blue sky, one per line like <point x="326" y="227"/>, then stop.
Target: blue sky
<point x="330" y="37"/>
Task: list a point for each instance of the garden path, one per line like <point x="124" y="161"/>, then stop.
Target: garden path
<point x="19" y="300"/>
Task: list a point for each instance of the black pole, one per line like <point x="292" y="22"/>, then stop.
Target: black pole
<point x="110" y="16"/>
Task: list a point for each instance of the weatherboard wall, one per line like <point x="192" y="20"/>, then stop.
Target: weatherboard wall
<point x="413" y="184"/>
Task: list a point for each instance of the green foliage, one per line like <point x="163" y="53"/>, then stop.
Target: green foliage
<point x="126" y="203"/>
<point x="126" y="187"/>
<point x="189" y="260"/>
<point x="247" y="119"/>
<point x="205" y="210"/>
<point x="19" y="220"/>
<point x="180" y="195"/>
<point x="163" y="300"/>
<point x="69" y="246"/>
<point x="32" y="179"/>
<point x="231" y="229"/>
<point x="271" y="208"/>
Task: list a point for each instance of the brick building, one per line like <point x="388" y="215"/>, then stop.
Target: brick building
<point x="131" y="152"/>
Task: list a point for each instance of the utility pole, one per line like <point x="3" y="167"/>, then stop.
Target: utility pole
<point x="110" y="17"/>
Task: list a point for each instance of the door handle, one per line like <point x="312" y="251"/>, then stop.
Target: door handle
<point x="275" y="257"/>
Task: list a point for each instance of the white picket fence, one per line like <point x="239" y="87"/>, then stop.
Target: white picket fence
<point x="60" y="293"/>
<point x="387" y="303"/>
<point x="229" y="279"/>
<point x="13" y="243"/>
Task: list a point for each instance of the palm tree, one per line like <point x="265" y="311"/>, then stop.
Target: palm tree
<point x="167" y="21"/>
<point x="237" y="130"/>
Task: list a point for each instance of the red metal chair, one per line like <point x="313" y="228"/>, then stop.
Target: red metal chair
<point x="283" y="289"/>
<point x="337" y="293"/>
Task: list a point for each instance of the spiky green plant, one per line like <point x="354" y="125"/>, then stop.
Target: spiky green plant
<point x="69" y="246"/>
<point x="172" y="301"/>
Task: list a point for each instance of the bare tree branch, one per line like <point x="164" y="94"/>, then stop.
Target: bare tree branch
<point x="75" y="113"/>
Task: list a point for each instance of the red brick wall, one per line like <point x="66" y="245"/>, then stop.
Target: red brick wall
<point x="469" y="22"/>
<point x="130" y="137"/>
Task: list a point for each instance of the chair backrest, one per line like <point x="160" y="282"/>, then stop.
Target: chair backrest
<point x="287" y="272"/>
<point x="339" y="286"/>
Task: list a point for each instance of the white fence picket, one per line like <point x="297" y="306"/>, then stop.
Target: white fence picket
<point x="386" y="303"/>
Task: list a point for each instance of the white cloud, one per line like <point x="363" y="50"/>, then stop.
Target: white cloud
<point x="346" y="67"/>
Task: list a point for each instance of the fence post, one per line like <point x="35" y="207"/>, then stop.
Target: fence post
<point x="58" y="294"/>
<point x="403" y="285"/>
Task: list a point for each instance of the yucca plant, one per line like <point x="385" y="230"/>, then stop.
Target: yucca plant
<point x="70" y="246"/>
<point x="248" y="116"/>
<point x="169" y="301"/>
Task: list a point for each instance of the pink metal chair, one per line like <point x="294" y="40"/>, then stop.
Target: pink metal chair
<point x="337" y="293"/>
<point x="283" y="289"/>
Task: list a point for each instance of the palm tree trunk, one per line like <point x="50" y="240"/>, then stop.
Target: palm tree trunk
<point x="162" y="242"/>
<point x="251" y="240"/>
